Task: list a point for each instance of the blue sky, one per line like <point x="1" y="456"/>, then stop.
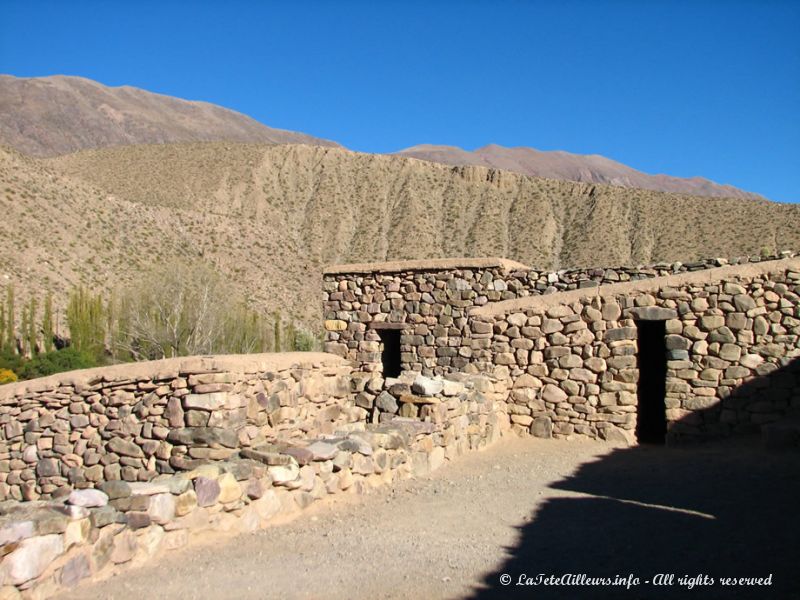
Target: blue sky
<point x="686" y="88"/>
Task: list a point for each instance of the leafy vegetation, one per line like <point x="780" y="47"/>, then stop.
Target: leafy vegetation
<point x="178" y="310"/>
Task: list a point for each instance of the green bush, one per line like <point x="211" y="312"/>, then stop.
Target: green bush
<point x="10" y="360"/>
<point x="57" y="361"/>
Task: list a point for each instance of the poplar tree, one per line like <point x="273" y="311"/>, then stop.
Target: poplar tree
<point x="47" y="323"/>
<point x="277" y="331"/>
<point x="30" y="332"/>
<point x="11" y="341"/>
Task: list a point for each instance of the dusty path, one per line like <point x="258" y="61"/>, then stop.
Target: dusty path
<point x="523" y="506"/>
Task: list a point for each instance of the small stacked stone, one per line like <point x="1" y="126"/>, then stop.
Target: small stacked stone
<point x="135" y="422"/>
<point x="732" y="346"/>
<point x="51" y="545"/>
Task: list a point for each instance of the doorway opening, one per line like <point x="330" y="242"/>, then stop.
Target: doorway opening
<point x="651" y="422"/>
<point x="390" y="352"/>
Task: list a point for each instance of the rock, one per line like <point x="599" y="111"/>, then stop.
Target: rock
<point x="677" y="342"/>
<point x="620" y="333"/>
<point x="283" y="475"/>
<point x="730" y="352"/>
<point x="124" y="547"/>
<point x="124" y="448"/>
<point x="162" y="508"/>
<point x="302" y="455"/>
<point x="425" y="386"/>
<point x="230" y="489"/>
<point x="150" y="540"/>
<point x="13" y="531"/>
<point x="185" y="503"/>
<point x="386" y="402"/>
<point x="88" y="498"/>
<point x="527" y="381"/>
<point x="204" y="436"/>
<point x="322" y="450"/>
<point x="208" y="402"/>
<point x="116" y="489"/>
<point x="653" y="313"/>
<point x="289" y="456"/>
<point x="48" y="467"/>
<point x="743" y="302"/>
<point x="76" y="569"/>
<point x="554" y="394"/>
<point x="436" y="458"/>
<point x="617" y="436"/>
<point x="207" y="490"/>
<point x="32" y="557"/>
<point x="751" y="361"/>
<point x="452" y="388"/>
<point x="137" y="519"/>
<point x="30" y="454"/>
<point x="542" y="427"/>
<point x="105" y="515"/>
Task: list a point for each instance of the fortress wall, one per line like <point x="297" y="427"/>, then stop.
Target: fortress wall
<point x="732" y="338"/>
<point x="432" y="303"/>
<point x="48" y="546"/>
<point x="136" y="421"/>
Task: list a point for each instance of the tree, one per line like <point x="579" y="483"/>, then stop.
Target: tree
<point x="11" y="340"/>
<point x="277" y="328"/>
<point x="30" y="331"/>
<point x="182" y="310"/>
<point x="2" y="328"/>
<point x="87" y="323"/>
<point x="47" y="323"/>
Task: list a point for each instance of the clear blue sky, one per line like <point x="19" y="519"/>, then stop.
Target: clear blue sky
<point x="686" y="88"/>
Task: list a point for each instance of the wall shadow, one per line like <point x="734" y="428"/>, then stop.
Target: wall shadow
<point x="724" y="508"/>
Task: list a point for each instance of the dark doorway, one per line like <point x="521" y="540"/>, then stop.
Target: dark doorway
<point x="390" y="352"/>
<point x="651" y="423"/>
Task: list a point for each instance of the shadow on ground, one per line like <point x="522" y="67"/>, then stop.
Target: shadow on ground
<point x="723" y="509"/>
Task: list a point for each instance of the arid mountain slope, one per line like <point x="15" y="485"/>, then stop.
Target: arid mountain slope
<point x="49" y="116"/>
<point x="590" y="168"/>
<point x="271" y="217"/>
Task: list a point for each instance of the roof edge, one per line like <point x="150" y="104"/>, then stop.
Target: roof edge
<point x="545" y="301"/>
<point x="436" y="264"/>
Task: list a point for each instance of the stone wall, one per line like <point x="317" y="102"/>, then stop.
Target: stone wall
<point x="136" y="421"/>
<point x="47" y="546"/>
<point x="432" y="299"/>
<point x="732" y="341"/>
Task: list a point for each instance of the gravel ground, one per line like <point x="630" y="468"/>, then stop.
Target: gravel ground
<point x="524" y="506"/>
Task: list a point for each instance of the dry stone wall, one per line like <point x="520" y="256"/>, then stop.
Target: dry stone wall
<point x="431" y="301"/>
<point x="732" y="338"/>
<point x="134" y="422"/>
<point x="234" y="467"/>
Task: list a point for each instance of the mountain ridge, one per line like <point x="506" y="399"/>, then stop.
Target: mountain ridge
<point x="60" y="114"/>
<point x="560" y="164"/>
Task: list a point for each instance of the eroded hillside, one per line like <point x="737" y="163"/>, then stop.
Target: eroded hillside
<point x="270" y="217"/>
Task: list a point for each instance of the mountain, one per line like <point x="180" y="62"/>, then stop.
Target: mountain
<point x="269" y="218"/>
<point x="590" y="168"/>
<point x="55" y="115"/>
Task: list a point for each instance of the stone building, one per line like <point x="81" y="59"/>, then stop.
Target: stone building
<point x="669" y="351"/>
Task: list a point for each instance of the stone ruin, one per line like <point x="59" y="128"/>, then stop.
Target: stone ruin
<point x="426" y="360"/>
<point x="666" y="352"/>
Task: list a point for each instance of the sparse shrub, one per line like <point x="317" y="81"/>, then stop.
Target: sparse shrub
<point x="305" y="341"/>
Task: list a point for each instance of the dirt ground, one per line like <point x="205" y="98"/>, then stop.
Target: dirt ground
<point x="522" y="508"/>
